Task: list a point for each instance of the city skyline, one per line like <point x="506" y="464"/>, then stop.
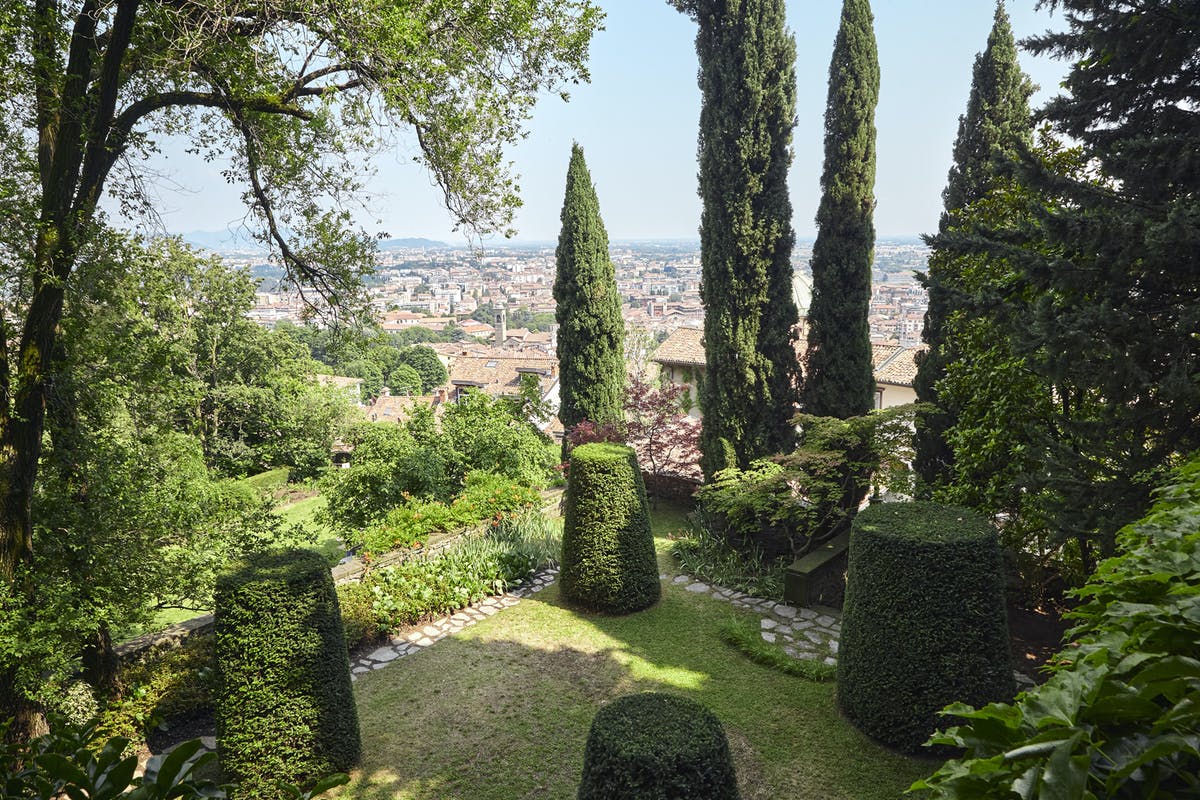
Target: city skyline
<point x="638" y="118"/>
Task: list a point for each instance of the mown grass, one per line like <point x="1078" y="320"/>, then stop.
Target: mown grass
<point x="303" y="513"/>
<point x="502" y="710"/>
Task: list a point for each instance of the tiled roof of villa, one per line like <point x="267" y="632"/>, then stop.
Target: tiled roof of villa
<point x="683" y="346"/>
<point x="900" y="369"/>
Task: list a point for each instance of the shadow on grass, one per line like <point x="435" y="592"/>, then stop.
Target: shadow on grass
<point x="502" y="710"/>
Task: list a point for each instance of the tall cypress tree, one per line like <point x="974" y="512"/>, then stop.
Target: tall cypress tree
<point x="840" y="381"/>
<point x="997" y="122"/>
<point x="591" y="333"/>
<point x="748" y="83"/>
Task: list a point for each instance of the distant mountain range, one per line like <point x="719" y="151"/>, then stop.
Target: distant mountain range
<point x="412" y="244"/>
<point x="227" y="241"/>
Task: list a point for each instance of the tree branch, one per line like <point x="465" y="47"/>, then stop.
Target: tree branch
<point x="99" y="158"/>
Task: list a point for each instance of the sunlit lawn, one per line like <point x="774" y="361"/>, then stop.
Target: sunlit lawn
<point x="303" y="513"/>
<point x="501" y="711"/>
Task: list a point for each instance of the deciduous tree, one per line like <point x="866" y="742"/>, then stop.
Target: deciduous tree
<point x="286" y="89"/>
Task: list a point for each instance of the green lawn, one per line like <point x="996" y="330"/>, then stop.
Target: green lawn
<point x="303" y="513"/>
<point x="502" y="710"/>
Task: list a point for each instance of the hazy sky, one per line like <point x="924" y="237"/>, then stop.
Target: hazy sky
<point x="637" y="122"/>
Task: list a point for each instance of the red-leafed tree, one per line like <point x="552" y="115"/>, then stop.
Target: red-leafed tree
<point x="656" y="426"/>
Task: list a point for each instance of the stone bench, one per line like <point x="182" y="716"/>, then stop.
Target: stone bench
<point x="818" y="578"/>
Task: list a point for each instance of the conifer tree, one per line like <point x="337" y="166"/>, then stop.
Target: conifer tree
<point x="1106" y="262"/>
<point x="591" y="332"/>
<point x="997" y="121"/>
<point x="748" y="85"/>
<point x="840" y="380"/>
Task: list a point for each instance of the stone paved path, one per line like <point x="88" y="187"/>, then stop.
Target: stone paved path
<point x="804" y="633"/>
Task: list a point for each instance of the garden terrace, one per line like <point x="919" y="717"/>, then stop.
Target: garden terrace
<point x="502" y="709"/>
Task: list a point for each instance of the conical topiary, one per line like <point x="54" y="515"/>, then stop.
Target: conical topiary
<point x="608" y="560"/>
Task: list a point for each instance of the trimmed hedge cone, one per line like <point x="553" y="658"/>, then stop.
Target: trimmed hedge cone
<point x="284" y="708"/>
<point x="924" y="623"/>
<point x="608" y="560"/>
<point x="657" y="747"/>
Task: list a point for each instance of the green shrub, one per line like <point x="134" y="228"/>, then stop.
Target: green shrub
<point x="656" y="746"/>
<point x="1119" y="717"/>
<point x="284" y="707"/>
<point x="359" y="621"/>
<point x="470" y="570"/>
<point x="924" y="621"/>
<point x="164" y="683"/>
<point x="486" y="497"/>
<point x="78" y="760"/>
<point x="608" y="560"/>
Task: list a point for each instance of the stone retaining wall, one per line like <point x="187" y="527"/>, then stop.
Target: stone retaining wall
<point x="351" y="571"/>
<point x="671" y="487"/>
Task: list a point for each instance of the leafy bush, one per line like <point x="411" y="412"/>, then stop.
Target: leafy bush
<point x="485" y="498"/>
<point x="924" y="621"/>
<point x="75" y="761"/>
<point x="389" y="467"/>
<point x="359" y="622"/>
<point x="652" y="746"/>
<point x="709" y="557"/>
<point x="284" y="707"/>
<point x="608" y="560"/>
<point x="788" y="504"/>
<point x="467" y="572"/>
<point x="495" y="436"/>
<point x="1118" y="718"/>
<point x="164" y="683"/>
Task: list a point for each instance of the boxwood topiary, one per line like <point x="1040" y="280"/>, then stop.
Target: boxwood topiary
<point x="657" y="747"/>
<point x="924" y="623"/>
<point x="608" y="560"/>
<point x="284" y="707"/>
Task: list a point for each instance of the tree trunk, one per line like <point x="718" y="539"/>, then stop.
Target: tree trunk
<point x="20" y="448"/>
<point x="101" y="668"/>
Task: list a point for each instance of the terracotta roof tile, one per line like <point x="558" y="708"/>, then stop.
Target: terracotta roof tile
<point x="901" y="368"/>
<point x="683" y="346"/>
<point x="500" y="376"/>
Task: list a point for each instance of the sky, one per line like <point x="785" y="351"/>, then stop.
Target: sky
<point x="638" y="119"/>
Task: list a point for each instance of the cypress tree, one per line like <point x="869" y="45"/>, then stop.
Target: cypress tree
<point x="748" y="85"/>
<point x="997" y="121"/>
<point x="591" y="333"/>
<point x="840" y="380"/>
